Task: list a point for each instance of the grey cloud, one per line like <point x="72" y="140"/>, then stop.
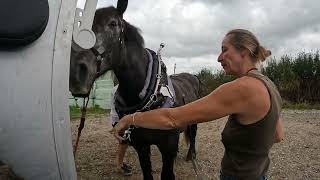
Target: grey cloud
<point x="210" y="2"/>
<point x="194" y="28"/>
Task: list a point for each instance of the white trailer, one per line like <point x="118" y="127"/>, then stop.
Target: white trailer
<point x="35" y="135"/>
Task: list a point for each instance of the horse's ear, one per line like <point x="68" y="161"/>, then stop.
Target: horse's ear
<point x="122" y="6"/>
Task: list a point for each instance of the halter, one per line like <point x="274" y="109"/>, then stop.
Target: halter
<point x="99" y="59"/>
<point x="101" y="56"/>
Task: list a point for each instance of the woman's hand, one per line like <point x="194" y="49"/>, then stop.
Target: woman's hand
<point x="121" y="126"/>
<point x="279" y="131"/>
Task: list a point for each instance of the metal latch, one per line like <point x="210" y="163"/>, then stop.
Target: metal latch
<point x="82" y="27"/>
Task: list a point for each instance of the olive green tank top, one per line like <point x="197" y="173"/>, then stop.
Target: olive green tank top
<point x="247" y="147"/>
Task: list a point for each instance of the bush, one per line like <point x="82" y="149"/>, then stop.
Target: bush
<point x="297" y="78"/>
<point x="213" y="80"/>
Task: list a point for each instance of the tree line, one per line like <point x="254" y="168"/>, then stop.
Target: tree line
<point x="297" y="77"/>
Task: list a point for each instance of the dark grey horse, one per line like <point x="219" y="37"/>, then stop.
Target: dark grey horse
<point x="122" y="49"/>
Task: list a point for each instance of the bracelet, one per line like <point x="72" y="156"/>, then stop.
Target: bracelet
<point x="133" y="118"/>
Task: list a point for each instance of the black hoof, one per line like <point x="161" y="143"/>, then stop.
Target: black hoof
<point x="191" y="156"/>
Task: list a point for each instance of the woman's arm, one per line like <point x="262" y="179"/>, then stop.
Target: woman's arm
<point x="227" y="99"/>
<point x="279" y="135"/>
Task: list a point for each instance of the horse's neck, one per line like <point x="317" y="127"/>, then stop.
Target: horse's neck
<point x="132" y="74"/>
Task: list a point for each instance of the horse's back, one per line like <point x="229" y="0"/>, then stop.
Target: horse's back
<point x="187" y="88"/>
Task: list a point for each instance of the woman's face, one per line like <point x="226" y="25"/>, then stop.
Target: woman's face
<point x="230" y="58"/>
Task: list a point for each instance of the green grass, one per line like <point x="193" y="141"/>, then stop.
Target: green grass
<point x="75" y="112"/>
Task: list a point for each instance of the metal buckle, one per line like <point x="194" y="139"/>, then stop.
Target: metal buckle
<point x="99" y="57"/>
<point x="127" y="135"/>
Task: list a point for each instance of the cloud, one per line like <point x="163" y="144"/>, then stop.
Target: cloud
<point x="193" y="29"/>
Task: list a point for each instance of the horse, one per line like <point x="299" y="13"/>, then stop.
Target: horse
<point x="120" y="48"/>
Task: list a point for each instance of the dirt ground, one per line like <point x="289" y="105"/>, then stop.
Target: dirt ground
<point x="297" y="157"/>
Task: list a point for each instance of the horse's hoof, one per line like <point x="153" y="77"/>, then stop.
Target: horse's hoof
<point x="190" y="156"/>
<point x="125" y="170"/>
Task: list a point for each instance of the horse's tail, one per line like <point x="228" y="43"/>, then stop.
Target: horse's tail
<point x="191" y="131"/>
<point x="186" y="134"/>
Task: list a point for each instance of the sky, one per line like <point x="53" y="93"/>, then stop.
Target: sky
<point x="193" y="30"/>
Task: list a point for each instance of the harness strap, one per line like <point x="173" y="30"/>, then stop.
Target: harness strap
<point x="122" y="109"/>
<point x="143" y="92"/>
<point x="157" y="91"/>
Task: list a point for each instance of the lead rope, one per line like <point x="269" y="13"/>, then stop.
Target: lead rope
<point x="81" y="125"/>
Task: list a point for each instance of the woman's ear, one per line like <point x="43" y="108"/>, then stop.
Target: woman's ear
<point x="245" y="52"/>
<point x="122" y="6"/>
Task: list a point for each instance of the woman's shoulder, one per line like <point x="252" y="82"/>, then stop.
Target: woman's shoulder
<point x="248" y="82"/>
<point x="243" y="88"/>
<point x="248" y="86"/>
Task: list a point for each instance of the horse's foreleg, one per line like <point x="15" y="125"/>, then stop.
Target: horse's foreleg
<point x="191" y="133"/>
<point x="169" y="151"/>
<point x="145" y="163"/>
<point x="167" y="167"/>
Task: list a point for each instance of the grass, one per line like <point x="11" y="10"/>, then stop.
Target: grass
<point x="75" y="112"/>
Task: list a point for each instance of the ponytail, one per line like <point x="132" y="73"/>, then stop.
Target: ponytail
<point x="262" y="53"/>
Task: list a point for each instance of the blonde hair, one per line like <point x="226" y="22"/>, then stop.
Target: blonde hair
<point x="244" y="39"/>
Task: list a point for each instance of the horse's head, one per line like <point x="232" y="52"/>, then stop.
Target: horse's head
<point x="108" y="26"/>
<point x="83" y="71"/>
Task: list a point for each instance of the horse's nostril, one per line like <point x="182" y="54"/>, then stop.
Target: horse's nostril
<point x="83" y="72"/>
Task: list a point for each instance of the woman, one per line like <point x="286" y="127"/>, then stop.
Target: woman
<point x="252" y="103"/>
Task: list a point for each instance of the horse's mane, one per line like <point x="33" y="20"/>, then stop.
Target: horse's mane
<point x="131" y="33"/>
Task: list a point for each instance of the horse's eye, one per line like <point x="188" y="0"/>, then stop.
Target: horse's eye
<point x="113" y="24"/>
